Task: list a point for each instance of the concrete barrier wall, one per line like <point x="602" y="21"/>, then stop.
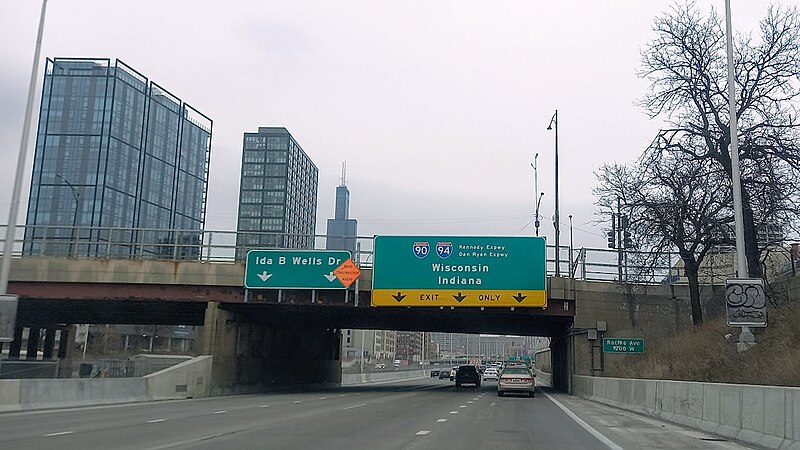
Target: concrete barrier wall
<point x="768" y="416"/>
<point x="189" y="379"/>
<point x="543" y="378"/>
<point x="16" y="395"/>
<point x="359" y="378"/>
<point x="185" y="380"/>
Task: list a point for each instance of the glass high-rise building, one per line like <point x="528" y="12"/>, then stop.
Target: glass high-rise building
<point x="120" y="163"/>
<point x="277" y="193"/>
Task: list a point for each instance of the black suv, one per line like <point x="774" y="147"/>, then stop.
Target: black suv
<point x="468" y="375"/>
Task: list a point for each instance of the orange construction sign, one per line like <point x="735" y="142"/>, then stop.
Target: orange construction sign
<point x="347" y="272"/>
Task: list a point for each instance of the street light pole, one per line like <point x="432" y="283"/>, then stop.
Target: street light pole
<point x="11" y="225"/>
<point x="77" y="197"/>
<point x="554" y="123"/>
<point x="746" y="337"/>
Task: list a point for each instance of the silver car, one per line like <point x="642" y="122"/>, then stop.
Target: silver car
<point x="516" y="379"/>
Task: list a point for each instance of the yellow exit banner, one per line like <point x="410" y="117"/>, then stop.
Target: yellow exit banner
<point x="456" y="297"/>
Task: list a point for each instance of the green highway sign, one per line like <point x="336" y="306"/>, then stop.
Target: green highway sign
<point x="623" y="345"/>
<point x="294" y="269"/>
<point x="459" y="271"/>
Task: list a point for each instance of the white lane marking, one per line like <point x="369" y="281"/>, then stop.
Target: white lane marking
<point x="441" y="421"/>
<point x="297" y="401"/>
<point x="453" y="412"/>
<point x="422" y="432"/>
<point x="219" y="412"/>
<point x="600" y="437"/>
<point x="470" y="402"/>
<point x="341" y="395"/>
<point x="60" y="433"/>
<point x="476" y="398"/>
<point x="265" y="406"/>
<point x="156" y="420"/>
<point x="462" y="406"/>
<point x="492" y="404"/>
<point x="323" y="398"/>
<point x="356" y="406"/>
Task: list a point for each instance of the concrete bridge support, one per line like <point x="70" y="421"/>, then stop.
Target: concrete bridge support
<point x="250" y="356"/>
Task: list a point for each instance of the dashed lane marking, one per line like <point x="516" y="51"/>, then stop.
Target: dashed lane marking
<point x="297" y="401"/>
<point x="453" y="412"/>
<point x="441" y="421"/>
<point x="422" y="432"/>
<point x="60" y="433"/>
<point x="219" y="412"/>
<point x="462" y="406"/>
<point x="356" y="406"/>
<point x="156" y="420"/>
<point x="265" y="406"/>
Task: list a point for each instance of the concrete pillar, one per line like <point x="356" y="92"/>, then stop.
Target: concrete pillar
<point x="16" y="344"/>
<point x="33" y="343"/>
<point x="218" y="339"/>
<point x="49" y="342"/>
<point x="62" y="343"/>
<point x="561" y="362"/>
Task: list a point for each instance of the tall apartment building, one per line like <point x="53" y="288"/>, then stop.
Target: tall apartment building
<point x="342" y="230"/>
<point x="277" y="193"/>
<point x="120" y="164"/>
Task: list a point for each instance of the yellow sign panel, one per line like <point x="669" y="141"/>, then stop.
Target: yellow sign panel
<point x="456" y="297"/>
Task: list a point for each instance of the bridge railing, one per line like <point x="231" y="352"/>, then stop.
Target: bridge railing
<point x="232" y="246"/>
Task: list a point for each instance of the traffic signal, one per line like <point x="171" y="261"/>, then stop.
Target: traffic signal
<point x="627" y="239"/>
<point x="611" y="241"/>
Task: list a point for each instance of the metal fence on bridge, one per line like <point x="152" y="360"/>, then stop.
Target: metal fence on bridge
<point x="232" y="246"/>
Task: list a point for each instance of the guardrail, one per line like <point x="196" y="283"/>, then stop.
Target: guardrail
<point x="591" y="264"/>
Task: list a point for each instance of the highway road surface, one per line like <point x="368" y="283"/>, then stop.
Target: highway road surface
<point x="417" y="414"/>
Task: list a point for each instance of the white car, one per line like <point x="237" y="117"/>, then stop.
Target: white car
<point x="490" y="374"/>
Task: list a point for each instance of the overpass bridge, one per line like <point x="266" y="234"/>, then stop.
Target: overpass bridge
<point x="256" y="337"/>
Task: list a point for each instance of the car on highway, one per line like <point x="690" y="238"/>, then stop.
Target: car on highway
<point x="444" y="374"/>
<point x="517" y="379"/>
<point x="380" y="366"/>
<point x="467" y="375"/>
<point x="490" y="374"/>
<point x="435" y="372"/>
<point x="453" y="373"/>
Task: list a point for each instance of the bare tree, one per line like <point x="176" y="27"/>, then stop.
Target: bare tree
<point x="673" y="205"/>
<point x="686" y="66"/>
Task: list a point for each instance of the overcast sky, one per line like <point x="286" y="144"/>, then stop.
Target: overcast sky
<point x="438" y="107"/>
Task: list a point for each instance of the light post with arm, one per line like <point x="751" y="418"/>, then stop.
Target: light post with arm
<point x="77" y="197"/>
<point x="554" y="124"/>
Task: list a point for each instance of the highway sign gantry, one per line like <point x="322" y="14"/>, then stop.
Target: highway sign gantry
<point x="463" y="271"/>
<point x="297" y="269"/>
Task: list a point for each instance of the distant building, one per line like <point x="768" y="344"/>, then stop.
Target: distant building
<point x="342" y="230"/>
<point x="119" y="163"/>
<point x="377" y="345"/>
<point x="408" y="346"/>
<point x="277" y="193"/>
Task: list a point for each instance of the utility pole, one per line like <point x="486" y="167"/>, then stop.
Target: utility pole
<point x="619" y="239"/>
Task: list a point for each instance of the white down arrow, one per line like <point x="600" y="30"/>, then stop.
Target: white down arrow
<point x="264" y="275"/>
<point x="330" y="276"/>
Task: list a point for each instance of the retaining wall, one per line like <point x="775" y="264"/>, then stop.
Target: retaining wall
<point x="768" y="416"/>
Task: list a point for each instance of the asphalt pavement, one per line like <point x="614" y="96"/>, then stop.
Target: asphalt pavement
<point x="417" y="414"/>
